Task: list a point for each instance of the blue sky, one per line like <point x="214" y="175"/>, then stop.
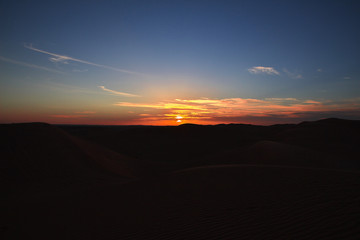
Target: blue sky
<point x="121" y="62"/>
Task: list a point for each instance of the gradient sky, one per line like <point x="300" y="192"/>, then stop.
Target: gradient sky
<point x="172" y="62"/>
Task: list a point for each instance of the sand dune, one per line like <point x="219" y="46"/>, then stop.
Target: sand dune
<point x="80" y="184"/>
<point x="223" y="202"/>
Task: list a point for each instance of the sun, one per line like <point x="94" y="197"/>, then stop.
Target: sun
<point x="178" y="118"/>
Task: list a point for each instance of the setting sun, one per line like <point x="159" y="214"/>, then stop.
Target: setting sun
<point x="178" y="117"/>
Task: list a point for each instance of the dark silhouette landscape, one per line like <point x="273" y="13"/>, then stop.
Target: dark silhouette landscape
<point x="236" y="181"/>
<point x="178" y="120"/>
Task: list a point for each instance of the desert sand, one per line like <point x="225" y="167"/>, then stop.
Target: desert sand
<point x="276" y="182"/>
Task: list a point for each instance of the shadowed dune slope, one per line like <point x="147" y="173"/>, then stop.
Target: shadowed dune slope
<point x="220" y="202"/>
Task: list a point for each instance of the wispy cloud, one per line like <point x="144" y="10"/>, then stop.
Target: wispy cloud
<point x="319" y="70"/>
<point x="281" y="99"/>
<point x="62" y="58"/>
<point x="29" y="65"/>
<point x="266" y="70"/>
<point x="161" y="105"/>
<point x="118" y="93"/>
<point x="58" y="59"/>
<point x="293" y="75"/>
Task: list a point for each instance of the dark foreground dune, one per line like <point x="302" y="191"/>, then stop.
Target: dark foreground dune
<point x="223" y="202"/>
<point x="221" y="182"/>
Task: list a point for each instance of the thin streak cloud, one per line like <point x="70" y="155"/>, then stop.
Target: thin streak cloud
<point x="118" y="93"/>
<point x="266" y="70"/>
<point x="29" y="65"/>
<point x="63" y="58"/>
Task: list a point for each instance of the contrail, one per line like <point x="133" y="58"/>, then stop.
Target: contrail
<point x="63" y="57"/>
<point x="118" y="93"/>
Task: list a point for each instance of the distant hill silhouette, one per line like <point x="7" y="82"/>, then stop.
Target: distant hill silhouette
<point x="324" y="140"/>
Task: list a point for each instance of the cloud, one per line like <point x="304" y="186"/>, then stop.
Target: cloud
<point x="29" y="65"/>
<point x="312" y="102"/>
<point x="62" y="58"/>
<point x="281" y="99"/>
<point x="319" y="70"/>
<point x="267" y="70"/>
<point x="161" y="105"/>
<point x="347" y="78"/>
<point x="118" y="93"/>
<point x="292" y="74"/>
<point x="228" y="104"/>
<point x="58" y="59"/>
<point x="228" y="110"/>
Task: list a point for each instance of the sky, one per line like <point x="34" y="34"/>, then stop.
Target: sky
<point x="174" y="62"/>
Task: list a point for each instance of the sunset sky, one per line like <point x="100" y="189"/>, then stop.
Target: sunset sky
<point x="173" y="62"/>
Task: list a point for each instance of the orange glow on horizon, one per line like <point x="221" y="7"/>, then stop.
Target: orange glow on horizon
<point x="197" y="111"/>
<point x="231" y="110"/>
